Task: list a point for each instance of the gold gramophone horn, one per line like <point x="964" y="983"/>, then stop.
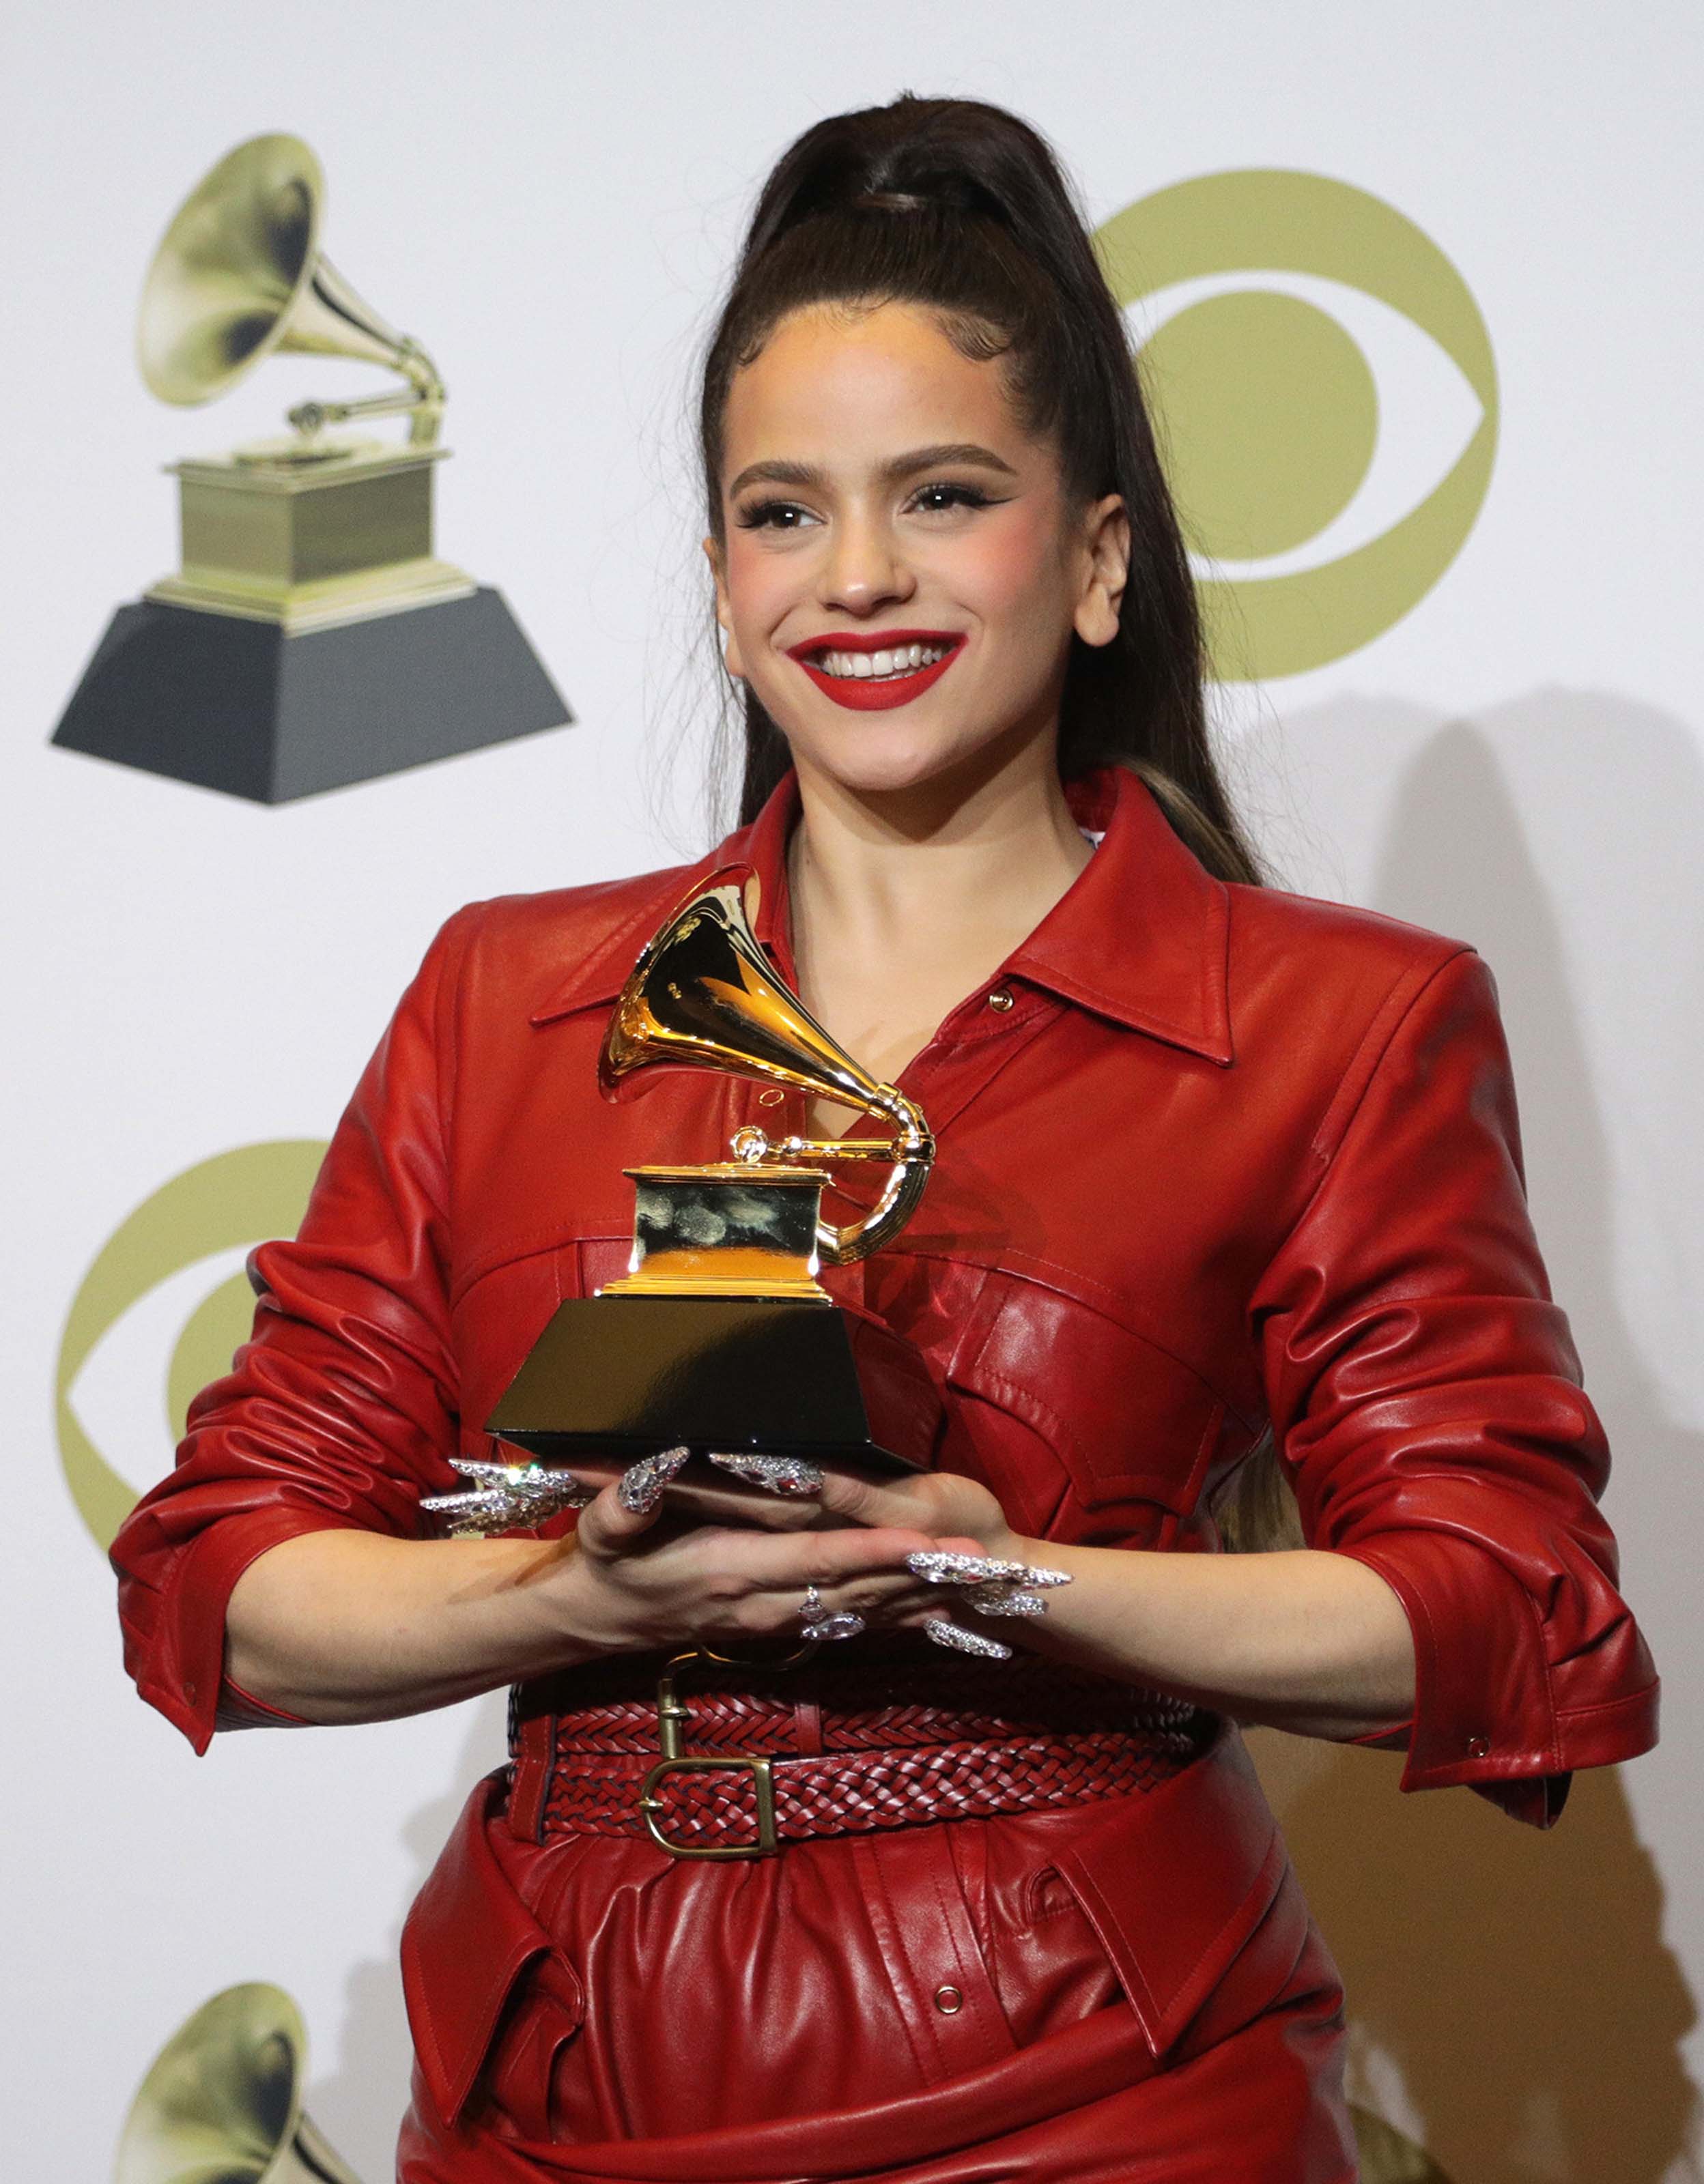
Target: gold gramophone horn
<point x="223" y="2101"/>
<point x="239" y="275"/>
<point x="702" y="996"/>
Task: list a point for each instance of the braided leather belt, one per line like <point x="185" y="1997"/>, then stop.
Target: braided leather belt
<point x="852" y="1748"/>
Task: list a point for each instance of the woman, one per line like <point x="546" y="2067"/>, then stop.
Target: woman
<point x="1214" y="1164"/>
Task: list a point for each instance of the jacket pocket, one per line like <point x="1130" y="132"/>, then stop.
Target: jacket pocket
<point x="1175" y="1884"/>
<point x="467" y="1944"/>
<point x="1051" y="1390"/>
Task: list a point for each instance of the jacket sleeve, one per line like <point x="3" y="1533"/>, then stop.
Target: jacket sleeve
<point x="342" y="1409"/>
<point x="1426" y="1397"/>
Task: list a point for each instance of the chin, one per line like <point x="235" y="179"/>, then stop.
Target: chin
<point x="886" y="755"/>
<point x="888" y="763"/>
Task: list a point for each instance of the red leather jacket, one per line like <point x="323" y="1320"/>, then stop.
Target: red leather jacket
<point x="1210" y="1157"/>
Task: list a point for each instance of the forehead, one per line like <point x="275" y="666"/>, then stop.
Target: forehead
<point x="836" y="386"/>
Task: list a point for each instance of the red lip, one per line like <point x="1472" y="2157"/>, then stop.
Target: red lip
<point x="895" y="689"/>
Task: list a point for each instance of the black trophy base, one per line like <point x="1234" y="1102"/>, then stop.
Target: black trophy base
<point x="626" y="1376"/>
<point x="239" y="706"/>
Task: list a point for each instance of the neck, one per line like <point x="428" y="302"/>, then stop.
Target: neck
<point x="972" y="860"/>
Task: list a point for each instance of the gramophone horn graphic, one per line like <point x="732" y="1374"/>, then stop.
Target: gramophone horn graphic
<point x="223" y="2101"/>
<point x="311" y="636"/>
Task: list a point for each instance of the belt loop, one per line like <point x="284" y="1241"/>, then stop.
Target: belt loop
<point x="808" y="1727"/>
<point x="533" y="1751"/>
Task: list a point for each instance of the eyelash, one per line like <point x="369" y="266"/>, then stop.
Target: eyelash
<point x="764" y="514"/>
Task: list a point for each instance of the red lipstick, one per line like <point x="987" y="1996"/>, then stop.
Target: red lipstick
<point x="863" y="694"/>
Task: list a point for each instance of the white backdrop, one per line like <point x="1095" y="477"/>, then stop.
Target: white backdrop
<point x="548" y="194"/>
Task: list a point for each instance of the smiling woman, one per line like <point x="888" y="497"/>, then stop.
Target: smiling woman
<point x="1218" y="1171"/>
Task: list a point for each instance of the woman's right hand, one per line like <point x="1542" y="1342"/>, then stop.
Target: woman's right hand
<point x="633" y="1579"/>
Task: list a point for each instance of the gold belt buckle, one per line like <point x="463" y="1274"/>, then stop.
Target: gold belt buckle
<point x="671" y="1716"/>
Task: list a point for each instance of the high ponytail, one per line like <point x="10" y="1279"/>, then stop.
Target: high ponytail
<point x="962" y="209"/>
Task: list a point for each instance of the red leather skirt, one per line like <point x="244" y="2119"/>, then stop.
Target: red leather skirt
<point x="1126" y="1987"/>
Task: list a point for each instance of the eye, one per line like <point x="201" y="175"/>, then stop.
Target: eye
<point x="774" y="516"/>
<point x="159" y="1315"/>
<point x="1324" y="390"/>
<point x="937" y="498"/>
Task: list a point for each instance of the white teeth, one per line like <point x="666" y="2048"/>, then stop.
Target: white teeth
<point x="869" y="666"/>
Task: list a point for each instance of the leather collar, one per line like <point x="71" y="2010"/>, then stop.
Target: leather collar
<point x="1140" y="937"/>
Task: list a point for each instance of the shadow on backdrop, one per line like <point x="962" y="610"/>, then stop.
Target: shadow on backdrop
<point x="1515" y="1986"/>
<point x="359" y="2101"/>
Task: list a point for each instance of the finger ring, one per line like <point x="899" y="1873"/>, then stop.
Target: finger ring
<point x="820" y="1622"/>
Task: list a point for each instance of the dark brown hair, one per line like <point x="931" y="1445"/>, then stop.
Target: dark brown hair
<point x="963" y="208"/>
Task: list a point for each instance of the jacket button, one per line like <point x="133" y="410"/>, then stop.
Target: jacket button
<point x="1479" y="1747"/>
<point x="949" y="2001"/>
<point x="1000" y="999"/>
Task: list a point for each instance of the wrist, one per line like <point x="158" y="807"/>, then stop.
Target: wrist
<point x="581" y="1618"/>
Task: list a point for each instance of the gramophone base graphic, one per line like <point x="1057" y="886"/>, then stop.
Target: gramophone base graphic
<point x="247" y="707"/>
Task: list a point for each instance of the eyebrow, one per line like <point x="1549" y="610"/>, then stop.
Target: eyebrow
<point x="892" y="473"/>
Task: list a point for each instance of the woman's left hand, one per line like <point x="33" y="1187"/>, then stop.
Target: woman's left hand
<point x="960" y="1514"/>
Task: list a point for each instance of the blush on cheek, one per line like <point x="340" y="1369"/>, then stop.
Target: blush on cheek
<point x="761" y="590"/>
<point x="1009" y="564"/>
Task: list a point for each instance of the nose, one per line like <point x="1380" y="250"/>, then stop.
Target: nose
<point x="864" y="569"/>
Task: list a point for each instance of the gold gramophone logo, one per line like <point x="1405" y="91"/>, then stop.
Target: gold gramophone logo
<point x="311" y="636"/>
<point x="221" y="2102"/>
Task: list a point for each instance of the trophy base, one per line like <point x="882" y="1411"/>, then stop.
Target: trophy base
<point x="252" y="710"/>
<point x="627" y="1376"/>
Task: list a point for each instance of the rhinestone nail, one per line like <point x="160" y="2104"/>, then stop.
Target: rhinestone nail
<point x="776" y="1474"/>
<point x="640" y="1486"/>
<point x="960" y="1641"/>
<point x="1006" y="1599"/>
<point x="505" y="1495"/>
<point x="937" y="1567"/>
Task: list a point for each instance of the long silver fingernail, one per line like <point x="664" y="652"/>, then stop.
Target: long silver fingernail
<point x="640" y="1486"/>
<point x="506" y="1497"/>
<point x="1006" y="1599"/>
<point x="960" y="1641"/>
<point x="936" y="1566"/>
<point x="1033" y="1575"/>
<point x="776" y="1474"/>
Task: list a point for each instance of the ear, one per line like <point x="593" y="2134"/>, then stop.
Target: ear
<point x="724" y="613"/>
<point x="1106" y="548"/>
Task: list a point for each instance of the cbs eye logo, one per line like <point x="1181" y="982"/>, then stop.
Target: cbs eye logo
<point x="160" y="1314"/>
<point x="1277" y="316"/>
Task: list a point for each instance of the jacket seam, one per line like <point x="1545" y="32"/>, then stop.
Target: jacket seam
<point x="534" y="1245"/>
<point x="1327" y="1160"/>
<point x="1013" y="1267"/>
<point x="451" y="1004"/>
<point x="1322" y="1148"/>
<point x="567" y="997"/>
<point x="1610" y="1705"/>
